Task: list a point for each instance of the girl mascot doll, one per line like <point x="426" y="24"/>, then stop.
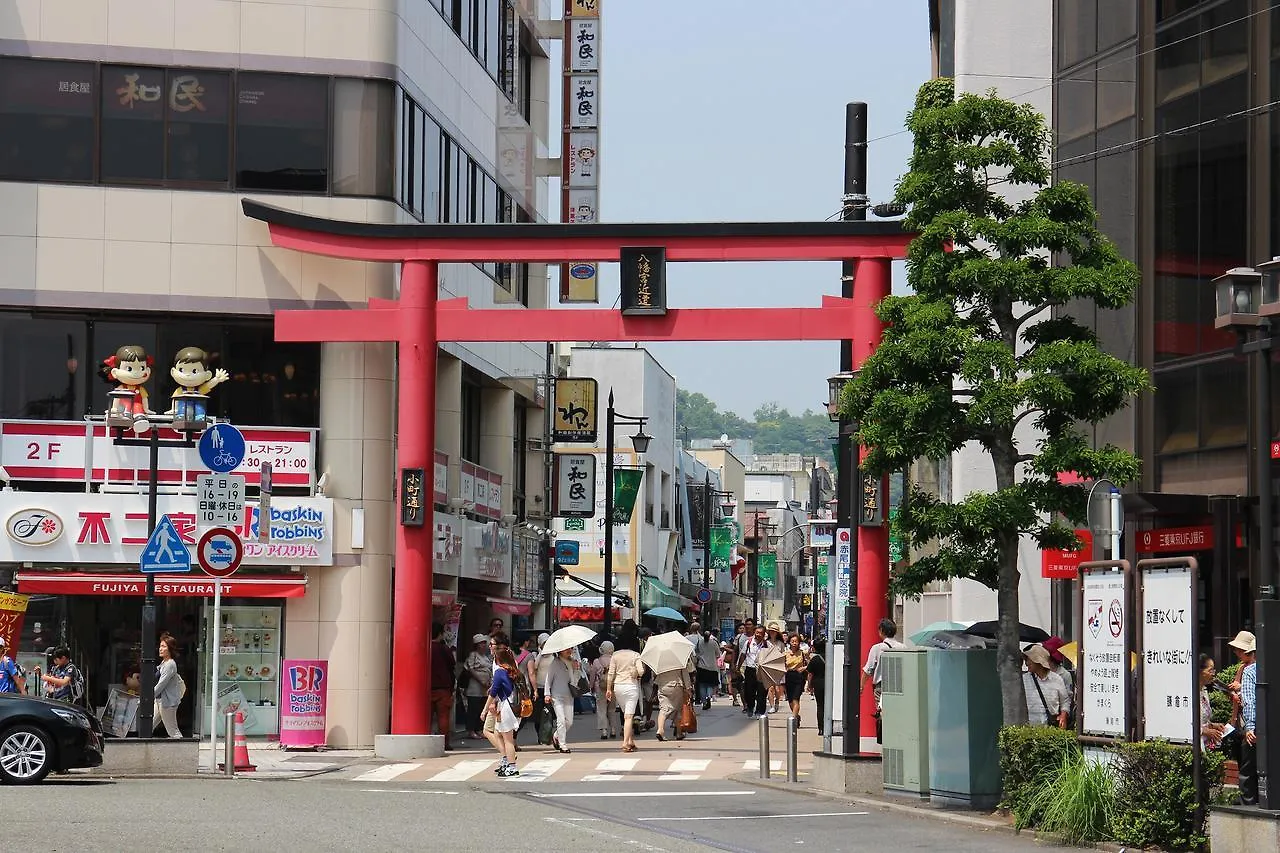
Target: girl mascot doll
<point x="129" y="369"/>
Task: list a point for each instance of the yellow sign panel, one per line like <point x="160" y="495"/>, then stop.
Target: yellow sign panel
<point x="584" y="8"/>
<point x="579" y="283"/>
<point x="576" y="410"/>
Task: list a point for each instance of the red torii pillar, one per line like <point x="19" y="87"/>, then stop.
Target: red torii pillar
<point x="417" y="322"/>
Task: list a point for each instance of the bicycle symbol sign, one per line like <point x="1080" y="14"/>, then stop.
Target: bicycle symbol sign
<point x="222" y="448"/>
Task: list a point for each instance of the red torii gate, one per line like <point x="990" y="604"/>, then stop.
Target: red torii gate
<point x="418" y="322"/>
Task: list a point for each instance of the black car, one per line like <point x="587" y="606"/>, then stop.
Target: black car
<point x="38" y="735"/>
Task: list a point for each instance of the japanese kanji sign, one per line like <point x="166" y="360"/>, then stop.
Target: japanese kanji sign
<point x="1057" y="564"/>
<point x="580" y="138"/>
<point x="1184" y="540"/>
<point x="576" y="415"/>
<point x="1167" y="655"/>
<point x="1104" y="672"/>
<point x="575" y="485"/>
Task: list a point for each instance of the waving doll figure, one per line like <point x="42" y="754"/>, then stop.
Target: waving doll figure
<point x="129" y="369"/>
<point x="194" y="381"/>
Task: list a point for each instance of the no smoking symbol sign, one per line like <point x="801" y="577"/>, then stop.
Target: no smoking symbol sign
<point x="1115" y="618"/>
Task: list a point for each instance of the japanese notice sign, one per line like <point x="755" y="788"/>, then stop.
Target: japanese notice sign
<point x="575" y="485"/>
<point x="1176" y="539"/>
<point x="1167" y="657"/>
<point x="844" y="572"/>
<point x="575" y="415"/>
<point x="220" y="500"/>
<point x="1104" y="672"/>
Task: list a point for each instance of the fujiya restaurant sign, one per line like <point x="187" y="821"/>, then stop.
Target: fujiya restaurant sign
<point x="74" y="528"/>
<point x="75" y="452"/>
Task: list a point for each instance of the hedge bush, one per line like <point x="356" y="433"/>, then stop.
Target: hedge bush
<point x="1030" y="757"/>
<point x="1155" y="800"/>
<point x="1156" y="797"/>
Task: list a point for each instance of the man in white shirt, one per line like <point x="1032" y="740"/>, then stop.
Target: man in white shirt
<point x="757" y="692"/>
<point x="742" y="640"/>
<point x="1046" y="694"/>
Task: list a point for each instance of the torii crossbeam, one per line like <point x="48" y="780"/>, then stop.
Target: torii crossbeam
<point x="418" y="322"/>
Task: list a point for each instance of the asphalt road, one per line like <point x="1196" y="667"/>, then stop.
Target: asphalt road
<point x="318" y="814"/>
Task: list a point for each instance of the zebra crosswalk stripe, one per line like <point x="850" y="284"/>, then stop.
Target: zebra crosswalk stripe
<point x="754" y="764"/>
<point x="463" y="770"/>
<point x="542" y="768"/>
<point x="386" y="773"/>
<point x="609" y="769"/>
<point x="684" y="770"/>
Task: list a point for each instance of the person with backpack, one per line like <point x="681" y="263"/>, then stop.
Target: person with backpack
<point x="12" y="678"/>
<point x="65" y="682"/>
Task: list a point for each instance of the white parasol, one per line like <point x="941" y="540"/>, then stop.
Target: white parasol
<point x="568" y="637"/>
<point x="666" y="652"/>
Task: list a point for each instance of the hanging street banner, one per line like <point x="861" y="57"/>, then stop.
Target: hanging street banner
<point x="580" y="139"/>
<point x="767" y="571"/>
<point x="13" y="611"/>
<point x="575" y="485"/>
<point x="1104" y="643"/>
<point x="1168" y="657"/>
<point x="626" y="488"/>
<point x="576" y="411"/>
<point x="823" y="561"/>
<point x="723" y="537"/>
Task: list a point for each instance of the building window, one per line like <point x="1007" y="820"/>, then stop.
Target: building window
<point x="132" y="123"/>
<point x="46" y="119"/>
<point x="1077" y="29"/>
<point x="363" y="129"/>
<point x="45" y="362"/>
<point x="282" y="133"/>
<point x="471" y="400"/>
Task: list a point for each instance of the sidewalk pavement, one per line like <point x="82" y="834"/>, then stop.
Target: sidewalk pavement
<point x="273" y="761"/>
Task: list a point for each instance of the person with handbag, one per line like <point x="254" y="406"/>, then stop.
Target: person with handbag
<point x="673" y="694"/>
<point x="476" y="677"/>
<point x="499" y="709"/>
<point x="622" y="685"/>
<point x="558" y="685"/>
<point x="605" y="708"/>
<point x="169" y="690"/>
<point x="1045" y="693"/>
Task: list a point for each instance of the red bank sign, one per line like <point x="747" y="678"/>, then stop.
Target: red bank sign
<point x="1165" y="539"/>
<point x="1057" y="564"/>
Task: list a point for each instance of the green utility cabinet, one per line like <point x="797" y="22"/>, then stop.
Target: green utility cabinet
<point x="965" y="716"/>
<point x="904" y="698"/>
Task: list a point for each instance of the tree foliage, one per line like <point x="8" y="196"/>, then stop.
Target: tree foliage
<point x="773" y="428"/>
<point x="985" y="353"/>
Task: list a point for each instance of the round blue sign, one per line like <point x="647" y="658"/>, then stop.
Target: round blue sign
<point x="704" y="596"/>
<point x="222" y="448"/>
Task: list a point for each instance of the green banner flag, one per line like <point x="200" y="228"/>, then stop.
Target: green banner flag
<point x="822" y="572"/>
<point x="626" y="488"/>
<point x="722" y="539"/>
<point x="767" y="570"/>
<point x="897" y="543"/>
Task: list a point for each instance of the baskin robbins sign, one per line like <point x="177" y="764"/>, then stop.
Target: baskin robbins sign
<point x="304" y="705"/>
<point x="75" y="528"/>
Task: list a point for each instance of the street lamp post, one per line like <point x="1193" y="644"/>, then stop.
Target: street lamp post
<point x="640" y="442"/>
<point x="1248" y="298"/>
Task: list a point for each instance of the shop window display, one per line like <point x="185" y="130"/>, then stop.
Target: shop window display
<point x="249" y="667"/>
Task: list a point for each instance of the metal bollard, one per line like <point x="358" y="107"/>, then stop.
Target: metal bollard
<point x="764" y="747"/>
<point x="229" y="744"/>
<point x="793" y="749"/>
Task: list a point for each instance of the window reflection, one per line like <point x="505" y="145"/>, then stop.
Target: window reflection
<point x="282" y="132"/>
<point x="44" y="364"/>
<point x="46" y="119"/>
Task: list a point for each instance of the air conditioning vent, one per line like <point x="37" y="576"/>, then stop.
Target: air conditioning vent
<point x="893" y="768"/>
<point x="891" y="675"/>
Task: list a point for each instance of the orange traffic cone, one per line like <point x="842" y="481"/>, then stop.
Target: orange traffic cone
<point x="242" y="747"/>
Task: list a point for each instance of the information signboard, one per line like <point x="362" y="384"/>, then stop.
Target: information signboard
<point x="1168" y="657"/>
<point x="1104" y="673"/>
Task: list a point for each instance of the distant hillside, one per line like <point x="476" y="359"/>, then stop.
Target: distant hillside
<point x="773" y="429"/>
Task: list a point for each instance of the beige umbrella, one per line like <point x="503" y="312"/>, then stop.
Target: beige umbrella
<point x="771" y="665"/>
<point x="666" y="652"/>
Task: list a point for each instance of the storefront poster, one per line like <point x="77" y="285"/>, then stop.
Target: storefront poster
<point x="13" y="610"/>
<point x="451" y="626"/>
<point x="304" y="702"/>
<point x="119" y="715"/>
<point x="232" y="698"/>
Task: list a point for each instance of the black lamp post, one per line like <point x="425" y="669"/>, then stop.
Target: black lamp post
<point x="640" y="441"/>
<point x="1247" y="299"/>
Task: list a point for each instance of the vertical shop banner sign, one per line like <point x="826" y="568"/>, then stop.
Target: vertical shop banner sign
<point x="451" y="624"/>
<point x="304" y="702"/>
<point x="722" y="539"/>
<point x="1168" y="656"/>
<point x="584" y="101"/>
<point x="696" y="498"/>
<point x="1104" y="643"/>
<point x="584" y="207"/>
<point x="13" y="610"/>
<point x="575" y="485"/>
<point x="583" y="46"/>
<point x="579" y="283"/>
<point x="642" y="278"/>
<point x="767" y="571"/>
<point x="844" y="575"/>
<point x="576" y="412"/>
<point x="584" y="158"/>
<point x="823" y="562"/>
<point x="626" y="488"/>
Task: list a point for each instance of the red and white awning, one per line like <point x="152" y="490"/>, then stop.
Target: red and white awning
<point x="196" y="584"/>
<point x="510" y="606"/>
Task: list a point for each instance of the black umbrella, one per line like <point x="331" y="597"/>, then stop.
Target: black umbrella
<point x="955" y="640"/>
<point x="1026" y="633"/>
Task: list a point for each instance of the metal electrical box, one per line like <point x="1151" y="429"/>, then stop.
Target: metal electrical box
<point x="964" y="720"/>
<point x="904" y="698"/>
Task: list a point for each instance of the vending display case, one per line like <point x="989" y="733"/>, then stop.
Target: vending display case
<point x="248" y="664"/>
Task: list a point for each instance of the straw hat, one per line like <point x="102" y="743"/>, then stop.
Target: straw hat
<point x="1245" y="642"/>
<point x="1037" y="654"/>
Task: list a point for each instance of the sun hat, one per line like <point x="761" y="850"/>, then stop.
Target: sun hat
<point x="606" y="648"/>
<point x="542" y="639"/>
<point x="774" y="625"/>
<point x="1037" y="654"/>
<point x="1245" y="642"/>
<point x="480" y="638"/>
<point x="1052" y="645"/>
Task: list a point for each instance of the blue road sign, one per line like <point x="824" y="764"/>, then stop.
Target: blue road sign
<point x="165" y="551"/>
<point x="222" y="448"/>
<point x="567" y="553"/>
<point x="704" y="596"/>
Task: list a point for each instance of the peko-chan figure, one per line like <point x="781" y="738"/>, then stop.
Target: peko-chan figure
<point x="195" y="381"/>
<point x="128" y="370"/>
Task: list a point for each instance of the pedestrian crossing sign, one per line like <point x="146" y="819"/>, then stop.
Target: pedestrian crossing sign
<point x="165" y="551"/>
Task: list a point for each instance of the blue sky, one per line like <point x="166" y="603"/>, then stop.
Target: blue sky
<point x="725" y="110"/>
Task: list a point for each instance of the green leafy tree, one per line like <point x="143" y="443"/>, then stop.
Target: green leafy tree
<point x="984" y="352"/>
